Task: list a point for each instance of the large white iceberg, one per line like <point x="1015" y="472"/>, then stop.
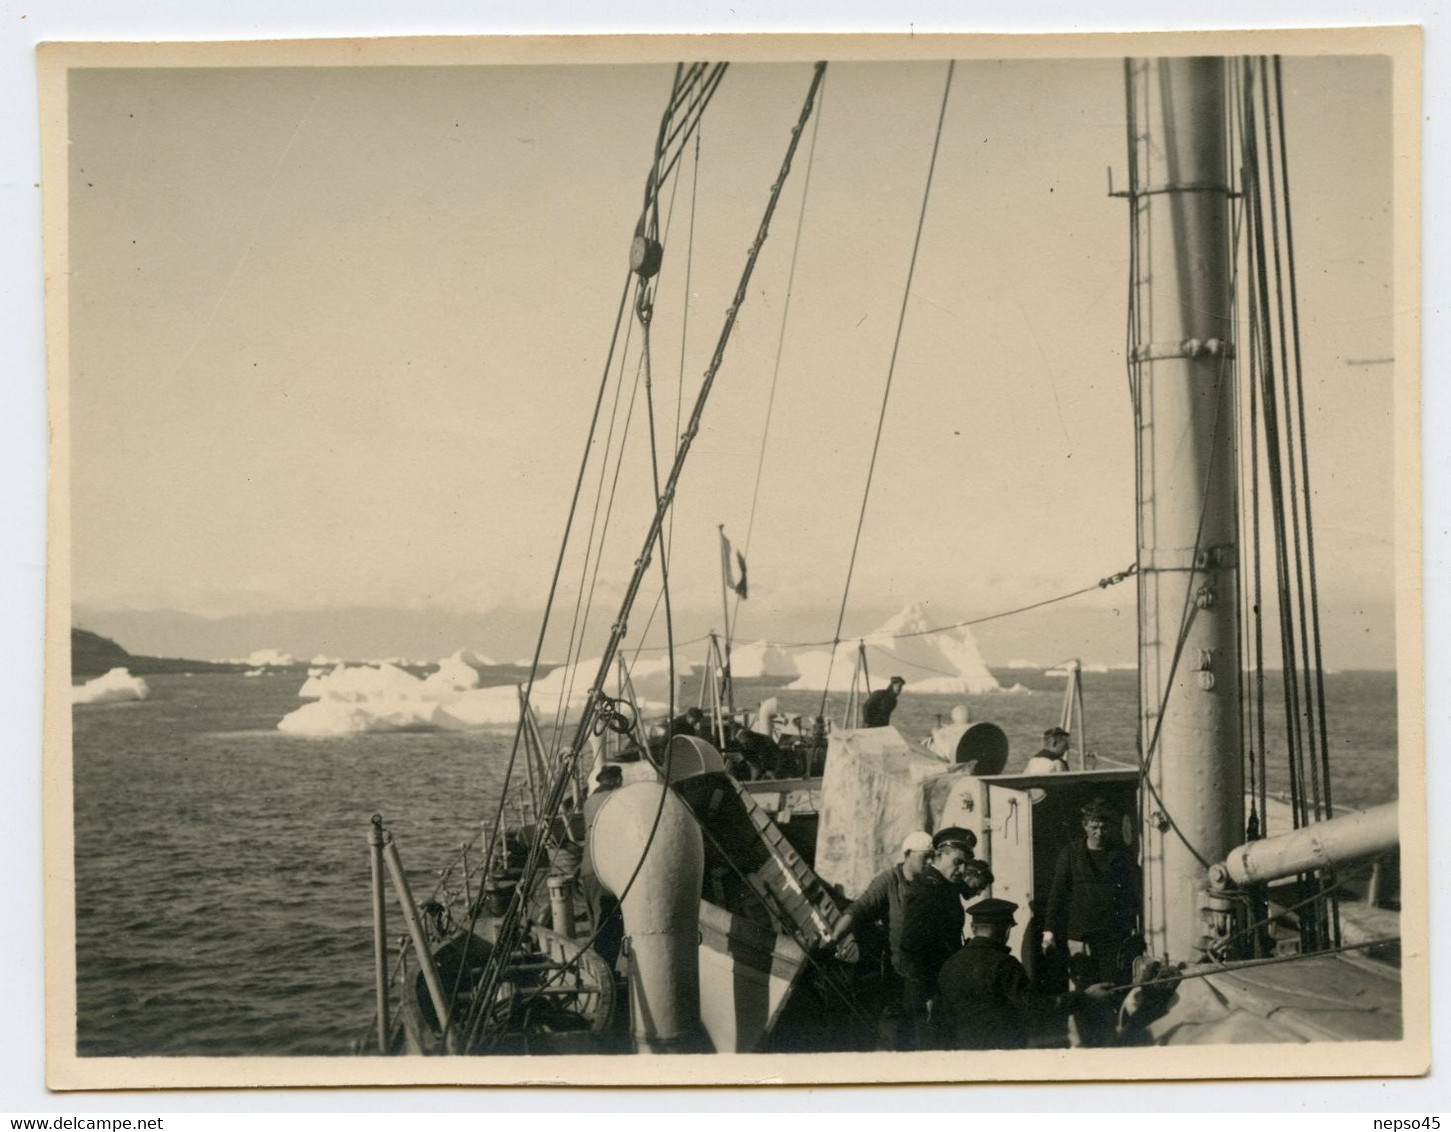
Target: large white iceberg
<point x="115" y="686"/>
<point x="357" y="683"/>
<point x="383" y="697"/>
<point x="760" y="658"/>
<point x="945" y="662"/>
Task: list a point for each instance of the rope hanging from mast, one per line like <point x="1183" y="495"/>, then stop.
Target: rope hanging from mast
<point x="887" y="389"/>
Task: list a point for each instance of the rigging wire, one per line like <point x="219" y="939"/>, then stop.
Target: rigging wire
<point x="558" y="791"/>
<point x="1306" y="704"/>
<point x="781" y="340"/>
<point x="1304" y="446"/>
<point x="891" y="370"/>
<point x="1103" y="583"/>
<point x="1319" y="663"/>
<point x="585" y="595"/>
<point x="698" y="110"/>
<point x="511" y="924"/>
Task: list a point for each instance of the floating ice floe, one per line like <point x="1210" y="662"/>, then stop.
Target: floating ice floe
<point x="270" y="658"/>
<point x="114" y="687"/>
<point x="350" y="699"/>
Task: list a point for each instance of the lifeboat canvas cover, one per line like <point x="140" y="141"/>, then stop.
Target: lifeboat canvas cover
<point x="871" y="798"/>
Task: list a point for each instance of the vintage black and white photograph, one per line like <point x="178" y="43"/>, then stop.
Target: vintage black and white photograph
<point x="756" y="552"/>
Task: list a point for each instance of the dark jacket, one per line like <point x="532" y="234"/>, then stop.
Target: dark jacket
<point x="991" y="1001"/>
<point x="1092" y="893"/>
<point x="877" y="711"/>
<point x="884" y="902"/>
<point x="932" y="919"/>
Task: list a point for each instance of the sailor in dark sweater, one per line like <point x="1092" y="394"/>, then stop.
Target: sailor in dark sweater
<point x="1092" y="905"/>
<point x="877" y="711"/>
<point x="986" y="995"/>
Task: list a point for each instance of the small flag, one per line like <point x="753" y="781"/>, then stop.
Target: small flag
<point x="728" y="575"/>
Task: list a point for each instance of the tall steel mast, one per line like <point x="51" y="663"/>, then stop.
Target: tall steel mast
<point x="1192" y="792"/>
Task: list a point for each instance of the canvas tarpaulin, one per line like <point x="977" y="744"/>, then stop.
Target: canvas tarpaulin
<point x="877" y="788"/>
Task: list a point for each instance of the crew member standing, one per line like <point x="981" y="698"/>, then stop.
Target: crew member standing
<point x="985" y="994"/>
<point x="882" y="903"/>
<point x="932" y="920"/>
<point x="1092" y="906"/>
<point x="877" y="711"/>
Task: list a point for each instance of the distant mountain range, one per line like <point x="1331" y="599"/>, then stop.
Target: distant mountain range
<point x="1363" y="636"/>
<point x="94" y="655"/>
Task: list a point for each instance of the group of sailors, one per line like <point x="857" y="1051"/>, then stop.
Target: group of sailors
<point x="767" y="746"/>
<point x="949" y="979"/>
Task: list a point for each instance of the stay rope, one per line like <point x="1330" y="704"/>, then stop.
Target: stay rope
<point x="887" y="390"/>
<point x="780" y="342"/>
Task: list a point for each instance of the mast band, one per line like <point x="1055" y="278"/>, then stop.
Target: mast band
<point x="1185" y="348"/>
<point x="1162" y="559"/>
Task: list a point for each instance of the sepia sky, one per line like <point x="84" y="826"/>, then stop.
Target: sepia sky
<point x="337" y="333"/>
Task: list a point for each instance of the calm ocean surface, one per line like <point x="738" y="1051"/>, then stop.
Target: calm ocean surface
<point x="222" y="877"/>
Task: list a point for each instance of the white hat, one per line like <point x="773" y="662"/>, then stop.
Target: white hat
<point x="917" y="842"/>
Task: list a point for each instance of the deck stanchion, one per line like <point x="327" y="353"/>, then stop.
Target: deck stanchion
<point x="380" y="930"/>
<point x="420" y="944"/>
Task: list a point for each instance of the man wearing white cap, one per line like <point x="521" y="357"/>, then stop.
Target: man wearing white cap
<point x="883" y="899"/>
<point x="882" y="903"/>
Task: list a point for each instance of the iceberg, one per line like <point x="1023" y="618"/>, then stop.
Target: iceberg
<point x="947" y="662"/>
<point x="351" y="699"/>
<point x="760" y="658"/>
<point x="342" y="717"/>
<point x="360" y="682"/>
<point x="456" y="673"/>
<point x="115" y="686"/>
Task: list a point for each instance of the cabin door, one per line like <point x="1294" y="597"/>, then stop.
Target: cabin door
<point x="1009" y="852"/>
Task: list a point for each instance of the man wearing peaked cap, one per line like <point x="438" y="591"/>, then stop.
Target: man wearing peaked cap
<point x="932" y="922"/>
<point x="986" y="994"/>
<point x="994" y="911"/>
<point x="955" y="835"/>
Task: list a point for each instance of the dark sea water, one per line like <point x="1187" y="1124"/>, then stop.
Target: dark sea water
<point x="222" y="875"/>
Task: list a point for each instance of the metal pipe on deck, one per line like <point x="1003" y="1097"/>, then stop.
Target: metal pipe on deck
<point x="380" y="930"/>
<point x="647" y="849"/>
<point x="420" y="943"/>
<point x="1322" y="845"/>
